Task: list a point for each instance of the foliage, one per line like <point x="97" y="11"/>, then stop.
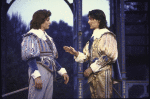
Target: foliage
<point x="62" y="35"/>
<point x="16" y="76"/>
<point x="17" y="71"/>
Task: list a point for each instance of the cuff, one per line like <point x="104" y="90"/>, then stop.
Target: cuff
<point x="80" y="57"/>
<point x="62" y="71"/>
<point x="95" y="67"/>
<point x="36" y="74"/>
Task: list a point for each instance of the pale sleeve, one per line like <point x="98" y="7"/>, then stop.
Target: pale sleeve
<point x="83" y="57"/>
<point x="62" y="71"/>
<point x="108" y="53"/>
<point x="108" y="47"/>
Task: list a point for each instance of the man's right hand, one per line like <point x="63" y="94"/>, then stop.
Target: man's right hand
<point x="38" y="83"/>
<point x="71" y="50"/>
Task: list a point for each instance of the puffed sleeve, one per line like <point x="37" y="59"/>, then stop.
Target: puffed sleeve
<point x="29" y="47"/>
<point x="29" y="52"/>
<point x="107" y="49"/>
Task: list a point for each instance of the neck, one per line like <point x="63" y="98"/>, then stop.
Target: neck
<point x="96" y="28"/>
<point x="42" y="29"/>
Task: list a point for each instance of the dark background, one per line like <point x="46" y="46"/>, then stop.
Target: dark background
<point x="14" y="72"/>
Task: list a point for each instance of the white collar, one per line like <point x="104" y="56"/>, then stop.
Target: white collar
<point x="39" y="33"/>
<point x="98" y="32"/>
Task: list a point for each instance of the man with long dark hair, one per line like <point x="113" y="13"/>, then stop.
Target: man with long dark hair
<point x="39" y="51"/>
<point x="101" y="51"/>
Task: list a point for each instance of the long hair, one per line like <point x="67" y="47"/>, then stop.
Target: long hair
<point x="38" y="18"/>
<point x="99" y="15"/>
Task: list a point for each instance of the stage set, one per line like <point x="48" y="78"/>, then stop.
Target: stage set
<point x="120" y="21"/>
<point x="133" y="44"/>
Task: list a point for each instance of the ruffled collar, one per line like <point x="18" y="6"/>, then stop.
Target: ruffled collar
<point x="39" y="33"/>
<point x="98" y="32"/>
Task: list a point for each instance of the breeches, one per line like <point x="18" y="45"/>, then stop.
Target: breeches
<point x="47" y="87"/>
<point x="101" y="84"/>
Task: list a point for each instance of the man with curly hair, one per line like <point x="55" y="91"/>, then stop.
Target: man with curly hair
<point x="39" y="51"/>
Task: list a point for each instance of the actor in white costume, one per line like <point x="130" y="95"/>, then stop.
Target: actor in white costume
<point x="39" y="51"/>
<point x="101" y="51"/>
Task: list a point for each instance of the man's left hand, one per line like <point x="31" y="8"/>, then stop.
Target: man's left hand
<point x="66" y="78"/>
<point x="87" y="72"/>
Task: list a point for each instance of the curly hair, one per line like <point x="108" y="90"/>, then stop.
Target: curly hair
<point x="99" y="15"/>
<point x="38" y="18"/>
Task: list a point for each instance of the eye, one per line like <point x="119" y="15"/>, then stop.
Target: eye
<point x="47" y="19"/>
<point x="90" y="18"/>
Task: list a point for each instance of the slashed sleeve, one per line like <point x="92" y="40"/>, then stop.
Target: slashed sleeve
<point x="107" y="50"/>
<point x="29" y="52"/>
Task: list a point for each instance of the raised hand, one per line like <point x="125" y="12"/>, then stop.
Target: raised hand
<point x="67" y="49"/>
<point x="70" y="50"/>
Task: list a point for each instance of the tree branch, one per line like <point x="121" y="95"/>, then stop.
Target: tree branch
<point x="11" y="2"/>
<point x="8" y="5"/>
<point x="70" y="5"/>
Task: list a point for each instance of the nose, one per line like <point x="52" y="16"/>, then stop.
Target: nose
<point x="89" y="21"/>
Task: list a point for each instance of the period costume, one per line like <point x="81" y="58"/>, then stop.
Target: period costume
<point x="39" y="51"/>
<point x="101" y="51"/>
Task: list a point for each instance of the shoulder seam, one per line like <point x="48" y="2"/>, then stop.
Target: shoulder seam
<point x="28" y="34"/>
<point x="109" y="33"/>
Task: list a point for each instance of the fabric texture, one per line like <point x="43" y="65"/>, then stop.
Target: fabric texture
<point x="39" y="51"/>
<point x="101" y="84"/>
<point x="37" y="45"/>
<point x="101" y="52"/>
<point x="32" y="63"/>
<point x="104" y="45"/>
<point x="29" y="47"/>
<point x="47" y="87"/>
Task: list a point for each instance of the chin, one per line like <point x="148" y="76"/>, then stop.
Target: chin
<point x="91" y="28"/>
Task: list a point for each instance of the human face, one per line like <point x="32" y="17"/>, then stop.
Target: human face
<point x="46" y="24"/>
<point x="94" y="24"/>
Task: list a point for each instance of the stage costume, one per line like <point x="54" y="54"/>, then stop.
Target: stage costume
<point x="39" y="51"/>
<point x="101" y="51"/>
